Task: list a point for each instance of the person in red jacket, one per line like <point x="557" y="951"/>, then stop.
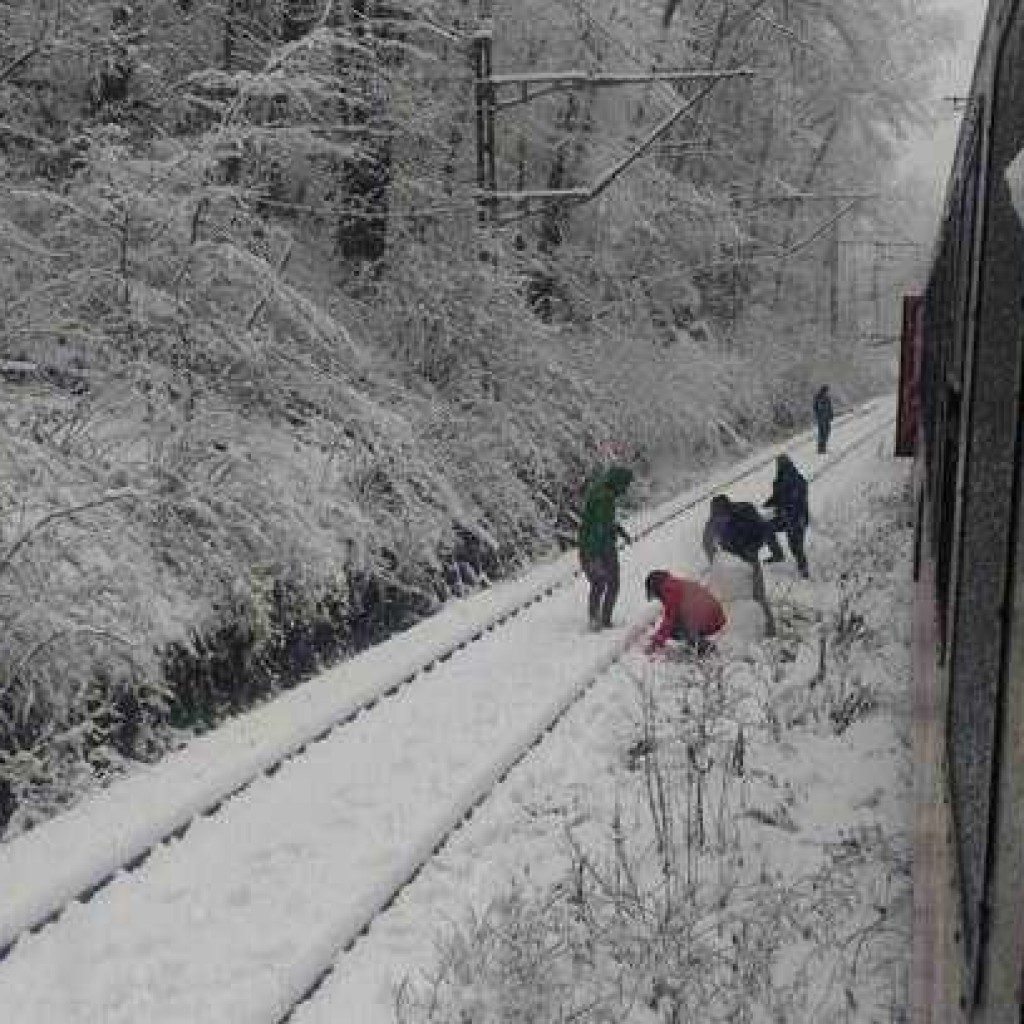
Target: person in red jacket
<point x="691" y="612"/>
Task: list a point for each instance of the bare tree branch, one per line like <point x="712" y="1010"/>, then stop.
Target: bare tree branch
<point x="60" y="634"/>
<point x="281" y="265"/>
<point x="819" y="231"/>
<point x="610" y="175"/>
<point x="58" y="514"/>
<point x="18" y="62"/>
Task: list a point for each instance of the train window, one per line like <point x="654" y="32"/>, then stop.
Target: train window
<point x="1015" y="180"/>
<point x="945" y="512"/>
<point x="966" y="210"/>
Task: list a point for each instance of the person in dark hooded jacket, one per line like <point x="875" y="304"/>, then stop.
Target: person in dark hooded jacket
<point x="823" y="416"/>
<point x="789" y="500"/>
<point x="737" y="528"/>
<point x="597" y="542"/>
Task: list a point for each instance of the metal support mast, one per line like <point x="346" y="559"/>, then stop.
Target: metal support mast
<point x="486" y="166"/>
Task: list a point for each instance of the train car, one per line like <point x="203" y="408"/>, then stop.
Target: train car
<point x="968" y="708"/>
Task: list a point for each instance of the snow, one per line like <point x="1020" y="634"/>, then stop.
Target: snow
<point x="240" y="915"/>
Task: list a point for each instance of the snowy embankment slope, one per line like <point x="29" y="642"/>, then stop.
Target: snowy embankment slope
<point x="229" y="922"/>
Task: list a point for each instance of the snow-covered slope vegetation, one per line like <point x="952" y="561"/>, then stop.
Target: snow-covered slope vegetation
<point x="269" y="389"/>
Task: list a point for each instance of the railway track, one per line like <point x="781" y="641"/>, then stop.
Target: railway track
<point x="317" y="959"/>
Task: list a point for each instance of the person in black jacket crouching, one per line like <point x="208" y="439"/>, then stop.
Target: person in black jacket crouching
<point x="737" y="527"/>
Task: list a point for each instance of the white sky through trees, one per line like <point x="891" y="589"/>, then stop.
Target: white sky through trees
<point x="931" y="153"/>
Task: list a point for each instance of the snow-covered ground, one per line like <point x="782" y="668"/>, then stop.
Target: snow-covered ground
<point x="237" y="917"/>
<point x="805" y="853"/>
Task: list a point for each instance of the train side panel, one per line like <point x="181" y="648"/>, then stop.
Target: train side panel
<point x="968" y="962"/>
<point x="937" y="977"/>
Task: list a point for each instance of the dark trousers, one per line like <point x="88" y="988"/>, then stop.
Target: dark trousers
<point x="774" y="547"/>
<point x="602" y="572"/>
<point x="753" y="559"/>
<point x="700" y="643"/>
<point x="795" y="539"/>
<point x="824" y="429"/>
<point x="761" y="594"/>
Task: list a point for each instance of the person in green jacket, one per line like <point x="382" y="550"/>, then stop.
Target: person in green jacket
<point x="598" y="536"/>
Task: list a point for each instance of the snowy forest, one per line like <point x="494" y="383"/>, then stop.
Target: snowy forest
<point x="278" y="377"/>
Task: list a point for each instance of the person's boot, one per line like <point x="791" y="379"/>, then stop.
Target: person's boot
<point x="777" y="554"/>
